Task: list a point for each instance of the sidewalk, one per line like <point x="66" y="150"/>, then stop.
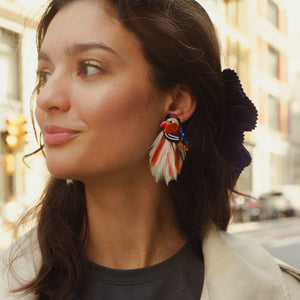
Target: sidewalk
<point x="265" y="224"/>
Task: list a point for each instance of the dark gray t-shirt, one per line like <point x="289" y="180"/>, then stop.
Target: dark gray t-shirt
<point x="178" y="278"/>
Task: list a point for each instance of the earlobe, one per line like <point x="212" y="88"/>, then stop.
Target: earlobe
<point x="183" y="102"/>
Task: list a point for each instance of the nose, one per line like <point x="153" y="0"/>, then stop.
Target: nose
<point x="55" y="95"/>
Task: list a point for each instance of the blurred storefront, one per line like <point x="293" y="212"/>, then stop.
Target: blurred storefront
<point x="256" y="43"/>
<point x="17" y="77"/>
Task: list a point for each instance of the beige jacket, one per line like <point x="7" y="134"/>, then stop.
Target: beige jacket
<point x="235" y="269"/>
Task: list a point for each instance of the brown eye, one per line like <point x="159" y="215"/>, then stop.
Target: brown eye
<point x="87" y="68"/>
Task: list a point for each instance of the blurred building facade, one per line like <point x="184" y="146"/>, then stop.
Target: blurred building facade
<point x="17" y="76"/>
<point x="255" y="42"/>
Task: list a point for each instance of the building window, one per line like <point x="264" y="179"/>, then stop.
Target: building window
<point x="233" y="57"/>
<point x="273" y="13"/>
<point x="276" y="164"/>
<point x="232" y="9"/>
<point x="6" y="179"/>
<point x="237" y="58"/>
<point x="274" y="113"/>
<point x="273" y="62"/>
<point x="9" y="66"/>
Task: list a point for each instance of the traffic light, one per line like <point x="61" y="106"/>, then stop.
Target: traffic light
<point x="8" y="164"/>
<point x="15" y="138"/>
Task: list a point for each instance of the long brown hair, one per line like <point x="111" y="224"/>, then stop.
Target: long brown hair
<point x="180" y="43"/>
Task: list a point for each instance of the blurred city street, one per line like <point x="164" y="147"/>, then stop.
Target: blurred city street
<point x="281" y="237"/>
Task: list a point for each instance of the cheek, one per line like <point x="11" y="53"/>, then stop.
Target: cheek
<point x="117" y="106"/>
<point x="123" y="121"/>
<point x="40" y="117"/>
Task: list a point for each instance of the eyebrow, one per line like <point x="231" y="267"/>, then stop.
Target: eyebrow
<point x="78" y="48"/>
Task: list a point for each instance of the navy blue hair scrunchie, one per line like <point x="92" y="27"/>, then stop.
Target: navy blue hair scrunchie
<point x="241" y="116"/>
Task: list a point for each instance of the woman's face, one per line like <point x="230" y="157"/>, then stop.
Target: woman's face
<point x="98" y="110"/>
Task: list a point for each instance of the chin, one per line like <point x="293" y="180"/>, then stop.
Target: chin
<point x="62" y="164"/>
<point x="68" y="171"/>
<point x="60" y="170"/>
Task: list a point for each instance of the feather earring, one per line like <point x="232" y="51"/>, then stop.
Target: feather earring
<point x="168" y="150"/>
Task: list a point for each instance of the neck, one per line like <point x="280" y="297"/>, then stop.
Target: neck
<point x="131" y="222"/>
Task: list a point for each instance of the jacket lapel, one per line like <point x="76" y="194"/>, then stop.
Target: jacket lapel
<point x="237" y="269"/>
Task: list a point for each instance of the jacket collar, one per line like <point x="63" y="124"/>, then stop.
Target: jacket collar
<point x="238" y="269"/>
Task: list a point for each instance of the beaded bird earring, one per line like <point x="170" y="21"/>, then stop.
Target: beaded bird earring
<point x="168" y="150"/>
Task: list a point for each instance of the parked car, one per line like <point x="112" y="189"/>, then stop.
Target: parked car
<point x="269" y="211"/>
<point x="246" y="209"/>
<point x="253" y="209"/>
<point x="292" y="192"/>
<point x="280" y="202"/>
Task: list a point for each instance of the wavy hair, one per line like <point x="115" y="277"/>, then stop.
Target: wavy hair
<point x="180" y="43"/>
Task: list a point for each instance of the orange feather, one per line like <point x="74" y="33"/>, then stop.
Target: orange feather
<point x="169" y="165"/>
<point x="157" y="151"/>
<point x="177" y="161"/>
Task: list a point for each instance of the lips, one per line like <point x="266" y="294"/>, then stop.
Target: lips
<point x="55" y="135"/>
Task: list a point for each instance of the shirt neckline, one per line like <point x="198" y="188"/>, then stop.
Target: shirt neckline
<point x="134" y="276"/>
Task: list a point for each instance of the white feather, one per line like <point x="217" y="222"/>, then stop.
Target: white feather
<point x="161" y="169"/>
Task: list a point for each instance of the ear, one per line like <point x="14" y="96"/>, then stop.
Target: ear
<point x="182" y="102"/>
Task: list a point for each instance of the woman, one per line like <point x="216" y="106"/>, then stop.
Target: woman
<point x="122" y="83"/>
